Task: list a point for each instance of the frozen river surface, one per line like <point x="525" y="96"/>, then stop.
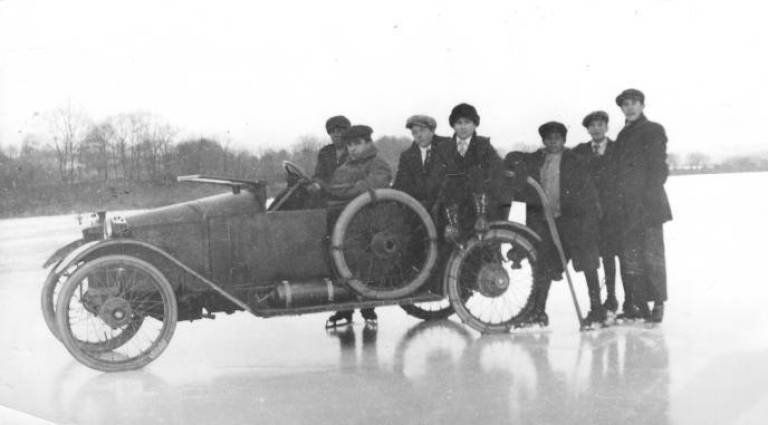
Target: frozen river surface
<point x="706" y="364"/>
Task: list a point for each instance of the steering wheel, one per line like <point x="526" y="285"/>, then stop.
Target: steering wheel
<point x="294" y="170"/>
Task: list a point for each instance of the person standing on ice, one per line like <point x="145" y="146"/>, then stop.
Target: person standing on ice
<point x="362" y="171"/>
<point x="599" y="154"/>
<point x="574" y="204"/>
<point x="641" y="171"/>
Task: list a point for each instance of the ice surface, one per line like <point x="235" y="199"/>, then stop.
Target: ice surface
<point x="706" y="364"/>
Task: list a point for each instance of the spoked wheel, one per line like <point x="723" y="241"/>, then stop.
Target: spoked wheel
<point x="121" y="304"/>
<point x="49" y="295"/>
<point x="384" y="244"/>
<point x="490" y="280"/>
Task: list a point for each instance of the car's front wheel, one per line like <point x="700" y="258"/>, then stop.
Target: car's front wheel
<point x="121" y="304"/>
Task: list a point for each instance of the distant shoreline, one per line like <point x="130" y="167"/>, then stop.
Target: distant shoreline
<point x="81" y="198"/>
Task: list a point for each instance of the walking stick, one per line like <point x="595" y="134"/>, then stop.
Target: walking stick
<point x="556" y="239"/>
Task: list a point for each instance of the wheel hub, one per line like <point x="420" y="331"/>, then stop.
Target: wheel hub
<point x="384" y="245"/>
<point x="116" y="312"/>
<point x="492" y="280"/>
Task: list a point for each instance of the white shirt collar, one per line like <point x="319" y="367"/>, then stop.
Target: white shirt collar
<point x="601" y="145"/>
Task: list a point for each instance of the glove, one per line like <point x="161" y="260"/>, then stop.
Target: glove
<point x="452" y="228"/>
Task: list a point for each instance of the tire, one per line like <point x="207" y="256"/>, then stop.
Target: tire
<point x="138" y="296"/>
<point x="384" y="244"/>
<point x="497" y="269"/>
<point x="426" y="311"/>
<point x="48" y="296"/>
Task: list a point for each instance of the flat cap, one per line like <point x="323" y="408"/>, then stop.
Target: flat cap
<point x="552" y="127"/>
<point x="630" y="94"/>
<point x="357" y="132"/>
<point x="421" y="120"/>
<point x="339" y="121"/>
<point x="464" y="110"/>
<point x="595" y="116"/>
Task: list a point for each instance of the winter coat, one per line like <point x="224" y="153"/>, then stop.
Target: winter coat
<point x="358" y="175"/>
<point x="602" y="170"/>
<point x="328" y="162"/>
<point x="640" y="172"/>
<point x="478" y="171"/>
<point x="579" y="208"/>
<point x="415" y="177"/>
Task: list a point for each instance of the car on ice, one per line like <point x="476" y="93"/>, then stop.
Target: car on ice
<point x="114" y="297"/>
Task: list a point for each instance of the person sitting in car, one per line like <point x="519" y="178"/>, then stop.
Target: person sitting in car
<point x="362" y="171"/>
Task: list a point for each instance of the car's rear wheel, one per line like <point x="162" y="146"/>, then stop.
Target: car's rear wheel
<point x="489" y="281"/>
<point x="384" y="244"/>
<point x="121" y="304"/>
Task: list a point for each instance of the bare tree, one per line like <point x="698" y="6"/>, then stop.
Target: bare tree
<point x="68" y="128"/>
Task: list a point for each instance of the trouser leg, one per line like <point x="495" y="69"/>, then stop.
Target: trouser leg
<point x="609" y="269"/>
<point x="593" y="288"/>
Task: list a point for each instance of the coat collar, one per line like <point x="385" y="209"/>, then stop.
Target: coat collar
<point x="367" y="154"/>
<point x="640" y="119"/>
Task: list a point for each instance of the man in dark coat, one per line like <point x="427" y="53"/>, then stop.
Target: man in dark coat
<point x="470" y="168"/>
<point x="598" y="153"/>
<point x="414" y="175"/>
<point x="641" y="171"/>
<point x="331" y="156"/>
<point x="573" y="200"/>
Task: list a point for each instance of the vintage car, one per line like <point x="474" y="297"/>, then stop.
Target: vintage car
<point x="114" y="297"/>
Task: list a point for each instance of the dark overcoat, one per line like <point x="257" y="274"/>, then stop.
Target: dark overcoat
<point x="415" y="177"/>
<point x="328" y="162"/>
<point x="602" y="170"/>
<point x="579" y="208"/>
<point x="478" y="171"/>
<point x="641" y="171"/>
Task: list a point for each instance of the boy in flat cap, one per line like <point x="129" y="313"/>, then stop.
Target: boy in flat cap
<point x="471" y="167"/>
<point x="641" y="171"/>
<point x="363" y="170"/>
<point x="566" y="180"/>
<point x="598" y="153"/>
<point x="414" y="175"/>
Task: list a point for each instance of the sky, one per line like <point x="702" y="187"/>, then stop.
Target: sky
<point x="263" y="74"/>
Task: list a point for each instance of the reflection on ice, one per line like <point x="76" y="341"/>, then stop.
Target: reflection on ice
<point x="438" y="373"/>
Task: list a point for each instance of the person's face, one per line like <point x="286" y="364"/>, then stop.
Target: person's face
<point x="422" y="135"/>
<point x="357" y="147"/>
<point x="464" y="128"/>
<point x="335" y="134"/>
<point x="554" y="142"/>
<point x="597" y="129"/>
<point x="632" y="108"/>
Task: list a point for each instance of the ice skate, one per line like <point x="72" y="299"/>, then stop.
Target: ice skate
<point x="371" y="318"/>
<point x="535" y="319"/>
<point x="596" y="319"/>
<point x="340" y="318"/>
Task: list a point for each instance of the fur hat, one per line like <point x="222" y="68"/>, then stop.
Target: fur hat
<point x="464" y="110"/>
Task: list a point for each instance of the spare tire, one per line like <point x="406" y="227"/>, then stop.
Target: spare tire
<point x="384" y="244"/>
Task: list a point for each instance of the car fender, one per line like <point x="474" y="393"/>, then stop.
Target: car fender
<point x="63" y="255"/>
<point x="154" y="255"/>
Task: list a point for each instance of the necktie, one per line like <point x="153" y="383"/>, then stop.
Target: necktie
<point x="596" y="148"/>
<point x="427" y="160"/>
<point x="461" y="146"/>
